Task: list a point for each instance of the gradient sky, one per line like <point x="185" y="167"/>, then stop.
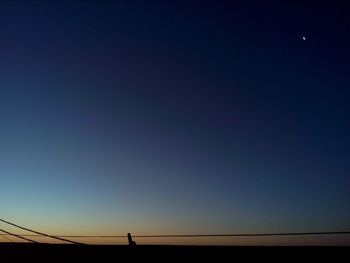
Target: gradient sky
<point x="175" y="118"/>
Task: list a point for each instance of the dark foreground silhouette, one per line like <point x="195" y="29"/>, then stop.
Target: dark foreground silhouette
<point x="16" y="252"/>
<point x="131" y="242"/>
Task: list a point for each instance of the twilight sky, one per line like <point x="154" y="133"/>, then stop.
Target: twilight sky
<point x="175" y="118"/>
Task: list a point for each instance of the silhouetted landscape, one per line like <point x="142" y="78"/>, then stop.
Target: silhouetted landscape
<point x="19" y="252"/>
<point x="40" y="251"/>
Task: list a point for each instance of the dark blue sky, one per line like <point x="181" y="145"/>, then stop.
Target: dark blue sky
<point x="175" y="117"/>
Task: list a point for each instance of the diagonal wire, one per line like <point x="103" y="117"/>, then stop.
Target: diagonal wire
<point x="12" y="234"/>
<point x="39" y="233"/>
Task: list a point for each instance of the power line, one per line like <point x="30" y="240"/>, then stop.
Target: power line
<point x="39" y="233"/>
<point x="21" y="237"/>
<point x="203" y="235"/>
<point x="249" y="235"/>
<point x="79" y="236"/>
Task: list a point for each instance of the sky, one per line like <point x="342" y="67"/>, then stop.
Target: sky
<point x="156" y="117"/>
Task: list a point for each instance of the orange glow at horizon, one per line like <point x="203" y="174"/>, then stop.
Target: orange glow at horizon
<point x="331" y="240"/>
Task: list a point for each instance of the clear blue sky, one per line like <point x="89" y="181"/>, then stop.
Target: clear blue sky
<point x="160" y="118"/>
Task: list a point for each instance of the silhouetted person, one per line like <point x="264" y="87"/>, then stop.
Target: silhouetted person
<point x="132" y="243"/>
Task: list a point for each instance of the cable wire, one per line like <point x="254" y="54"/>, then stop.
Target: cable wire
<point x="249" y="235"/>
<point x="19" y="236"/>
<point x="203" y="235"/>
<point x="39" y="233"/>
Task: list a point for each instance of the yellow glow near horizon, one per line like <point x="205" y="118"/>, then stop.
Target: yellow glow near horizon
<point x="329" y="240"/>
